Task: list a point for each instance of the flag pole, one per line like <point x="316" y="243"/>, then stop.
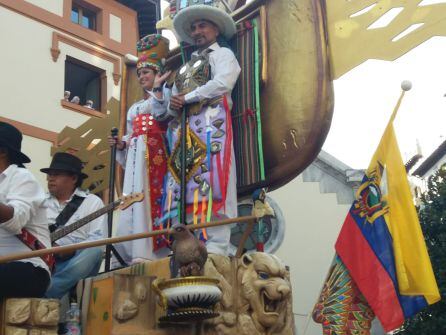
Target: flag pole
<point x="406" y="85"/>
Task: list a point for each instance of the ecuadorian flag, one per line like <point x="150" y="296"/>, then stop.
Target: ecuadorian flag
<point x="381" y="242"/>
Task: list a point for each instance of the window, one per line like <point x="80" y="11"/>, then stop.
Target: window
<point x="84" y="16"/>
<point x="84" y="84"/>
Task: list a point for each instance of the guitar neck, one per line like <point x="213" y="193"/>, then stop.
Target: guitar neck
<point x="82" y="222"/>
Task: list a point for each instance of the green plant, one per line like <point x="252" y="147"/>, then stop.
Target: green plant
<point x="432" y="214"/>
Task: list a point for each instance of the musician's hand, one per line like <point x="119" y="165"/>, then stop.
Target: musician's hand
<point x="160" y="78"/>
<point x="120" y="145"/>
<point x="177" y="102"/>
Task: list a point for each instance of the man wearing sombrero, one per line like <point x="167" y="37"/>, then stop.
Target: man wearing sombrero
<point x="203" y="87"/>
<point x="67" y="203"/>
<point x="22" y="221"/>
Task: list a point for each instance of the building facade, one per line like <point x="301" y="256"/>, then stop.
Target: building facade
<point x="55" y="46"/>
<point x="430" y="165"/>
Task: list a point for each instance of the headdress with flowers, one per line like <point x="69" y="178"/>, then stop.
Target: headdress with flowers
<point x="152" y="49"/>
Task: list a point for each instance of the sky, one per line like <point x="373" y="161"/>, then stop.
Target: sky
<point x="365" y="98"/>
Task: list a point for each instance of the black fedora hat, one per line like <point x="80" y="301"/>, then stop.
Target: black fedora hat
<point x="63" y="161"/>
<point x="11" y="138"/>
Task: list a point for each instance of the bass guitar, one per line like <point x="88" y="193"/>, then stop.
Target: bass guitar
<point x="121" y="203"/>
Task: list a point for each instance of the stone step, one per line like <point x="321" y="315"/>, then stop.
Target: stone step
<point x="29" y="316"/>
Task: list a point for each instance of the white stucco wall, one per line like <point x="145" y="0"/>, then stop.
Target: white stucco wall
<point x="313" y="221"/>
<point x="115" y="28"/>
<point x="53" y="6"/>
<point x="434" y="169"/>
<point x="33" y="148"/>
<point x="32" y="85"/>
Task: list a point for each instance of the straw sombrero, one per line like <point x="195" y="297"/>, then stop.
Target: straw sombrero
<point x="185" y="17"/>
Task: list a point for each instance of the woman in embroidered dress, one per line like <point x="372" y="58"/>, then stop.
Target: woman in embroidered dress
<point x="141" y="152"/>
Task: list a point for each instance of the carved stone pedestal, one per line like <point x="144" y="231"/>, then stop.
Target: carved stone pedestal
<point x="29" y="316"/>
<point x="119" y="304"/>
<point x="256" y="300"/>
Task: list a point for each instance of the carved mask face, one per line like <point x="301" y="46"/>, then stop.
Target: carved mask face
<point x="265" y="287"/>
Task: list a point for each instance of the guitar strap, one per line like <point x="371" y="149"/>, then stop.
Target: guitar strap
<point x="67" y="212"/>
<point x="33" y="243"/>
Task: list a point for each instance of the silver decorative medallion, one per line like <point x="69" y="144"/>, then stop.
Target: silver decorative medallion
<point x="215" y="147"/>
<point x="217" y="123"/>
<point x="204" y="187"/>
<point x="219" y="133"/>
<point x="204" y="168"/>
<point x="197" y="179"/>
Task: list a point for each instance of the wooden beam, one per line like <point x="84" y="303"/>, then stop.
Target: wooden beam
<point x="111" y="240"/>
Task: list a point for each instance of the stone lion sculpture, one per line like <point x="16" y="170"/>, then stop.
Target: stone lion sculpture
<point x="256" y="295"/>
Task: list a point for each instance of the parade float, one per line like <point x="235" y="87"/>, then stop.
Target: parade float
<point x="290" y="51"/>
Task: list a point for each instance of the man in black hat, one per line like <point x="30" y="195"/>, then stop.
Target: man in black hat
<point x="23" y="223"/>
<point x="67" y="203"/>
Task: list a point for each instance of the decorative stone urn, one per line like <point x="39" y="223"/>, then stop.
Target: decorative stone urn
<point x="187" y="299"/>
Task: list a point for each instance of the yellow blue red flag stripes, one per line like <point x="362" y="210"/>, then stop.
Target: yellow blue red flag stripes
<point x="381" y="242"/>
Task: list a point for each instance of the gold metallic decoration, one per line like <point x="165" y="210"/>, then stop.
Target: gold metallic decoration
<point x="196" y="153"/>
<point x="89" y="143"/>
<point x="297" y="97"/>
<point x="353" y="38"/>
<point x="166" y="23"/>
<point x="263" y="41"/>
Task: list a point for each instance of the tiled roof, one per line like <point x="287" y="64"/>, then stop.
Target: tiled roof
<point x="430" y="161"/>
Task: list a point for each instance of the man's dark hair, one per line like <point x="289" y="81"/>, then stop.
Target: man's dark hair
<point x="79" y="180"/>
<point x="223" y="42"/>
<point x="12" y="159"/>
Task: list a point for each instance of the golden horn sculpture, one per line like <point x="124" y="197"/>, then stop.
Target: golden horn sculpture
<point x="297" y="97"/>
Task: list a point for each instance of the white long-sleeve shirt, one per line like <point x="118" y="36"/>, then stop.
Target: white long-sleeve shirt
<point x="224" y="73"/>
<point x="92" y="231"/>
<point x="20" y="190"/>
